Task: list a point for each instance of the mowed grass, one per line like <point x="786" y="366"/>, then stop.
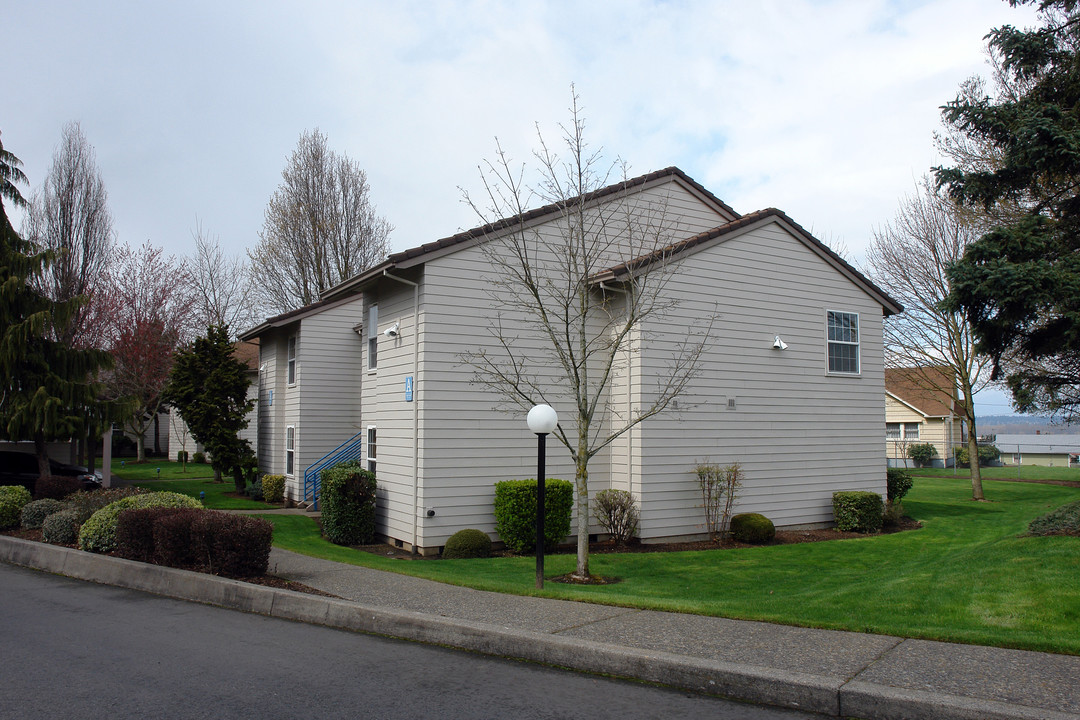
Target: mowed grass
<point x="966" y="576"/>
<point x="197" y="479"/>
<point x="1026" y="472"/>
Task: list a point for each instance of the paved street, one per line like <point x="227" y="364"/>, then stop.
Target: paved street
<point x="75" y="649"/>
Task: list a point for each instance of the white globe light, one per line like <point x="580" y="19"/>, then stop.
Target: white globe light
<point x="542" y="419"/>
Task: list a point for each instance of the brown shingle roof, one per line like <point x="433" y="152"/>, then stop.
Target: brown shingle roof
<point x="247" y="352"/>
<point x="930" y="390"/>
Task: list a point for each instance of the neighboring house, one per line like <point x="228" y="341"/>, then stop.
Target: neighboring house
<point x="377" y="364"/>
<point x="922" y="406"/>
<point x="179" y="436"/>
<point x="1046" y="450"/>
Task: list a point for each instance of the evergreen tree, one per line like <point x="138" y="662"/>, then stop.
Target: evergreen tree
<point x="208" y="387"/>
<point x="47" y="389"/>
<point x="1019" y="284"/>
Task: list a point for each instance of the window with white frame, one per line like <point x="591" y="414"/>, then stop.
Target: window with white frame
<point x="843" y="342"/>
<point x="911" y="431"/>
<point x="892" y="431"/>
<point x="290" y="450"/>
<point x="292" y="360"/>
<point x="372" y="448"/>
<point x="902" y="431"/>
<point x="373" y="337"/>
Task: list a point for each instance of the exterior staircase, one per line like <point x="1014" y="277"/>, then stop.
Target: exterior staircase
<point x="351" y="449"/>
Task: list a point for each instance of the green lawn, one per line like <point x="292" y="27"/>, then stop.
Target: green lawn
<point x="197" y="479"/>
<point x="1027" y="472"/>
<point x="966" y="576"/>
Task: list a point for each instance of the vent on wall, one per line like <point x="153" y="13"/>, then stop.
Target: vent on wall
<point x="731" y="404"/>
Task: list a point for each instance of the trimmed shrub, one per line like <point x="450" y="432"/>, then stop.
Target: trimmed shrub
<point x="61" y="528"/>
<point x="12" y="500"/>
<point x="34" y="512"/>
<point x="617" y="513"/>
<point x="468" y="543"/>
<point x="57" y="487"/>
<point x="232" y="545"/>
<point x="515" y="513"/>
<point x="894" y="513"/>
<point x="86" y="503"/>
<point x="181" y="456"/>
<point x="135" y="531"/>
<point x="752" y="528"/>
<point x="273" y="487"/>
<point x="255" y="490"/>
<point x="987" y="454"/>
<point x="348" y="504"/>
<point x="1063" y="521"/>
<point x="922" y="453"/>
<point x="199" y="457"/>
<point x="173" y="542"/>
<point x="98" y="533"/>
<point x="897" y="483"/>
<point x="858" y="511"/>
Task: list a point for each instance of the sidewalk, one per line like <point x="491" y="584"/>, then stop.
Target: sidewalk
<point x="822" y="671"/>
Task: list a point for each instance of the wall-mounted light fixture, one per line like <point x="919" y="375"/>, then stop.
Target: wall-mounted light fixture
<point x="392" y="331"/>
<point x="779" y="344"/>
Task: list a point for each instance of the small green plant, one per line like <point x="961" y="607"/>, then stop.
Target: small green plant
<point x="34" y="513"/>
<point x="61" y="528"/>
<point x="753" y="528"/>
<point x="987" y="454"/>
<point x="12" y="500"/>
<point x="897" y="484"/>
<point x="719" y="490"/>
<point x="1063" y="521"/>
<point x="199" y="458"/>
<point x="255" y="490"/>
<point x="515" y="513"/>
<point x="348" y="504"/>
<point x="858" y="511"/>
<point x="98" y="533"/>
<point x="182" y="456"/>
<point x="922" y="453"/>
<point x="273" y="487"/>
<point x="468" y="543"/>
<point x="617" y="513"/>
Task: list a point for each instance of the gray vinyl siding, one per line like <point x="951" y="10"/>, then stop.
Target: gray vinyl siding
<point x="271" y="434"/>
<point x="799" y="433"/>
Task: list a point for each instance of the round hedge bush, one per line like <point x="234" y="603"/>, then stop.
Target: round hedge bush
<point x="34" y="513"/>
<point x="12" y="500"/>
<point x="98" y="534"/>
<point x="752" y="528"/>
<point x="468" y="543"/>
<point x="61" y="528"/>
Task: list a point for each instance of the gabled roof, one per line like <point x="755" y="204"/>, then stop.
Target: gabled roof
<point x="929" y="391"/>
<point x="737" y="227"/>
<point x="420" y="254"/>
<point x="289" y="317"/>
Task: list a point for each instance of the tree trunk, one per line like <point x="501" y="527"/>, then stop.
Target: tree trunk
<point x="42" y="454"/>
<point x="973" y="461"/>
<point x="581" y="487"/>
<point x="140" y="448"/>
<point x="239" y="480"/>
<point x="91" y="451"/>
<point x="157" y="434"/>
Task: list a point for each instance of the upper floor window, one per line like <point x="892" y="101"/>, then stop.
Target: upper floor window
<point x="292" y="360"/>
<point x="373" y="337"/>
<point x="843" y="342"/>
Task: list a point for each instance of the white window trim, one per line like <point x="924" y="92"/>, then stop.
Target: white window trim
<point x="917" y="430"/>
<point x="368" y="457"/>
<point x="373" y="338"/>
<point x="291" y="450"/>
<point x="857" y="344"/>
<point x="290" y="361"/>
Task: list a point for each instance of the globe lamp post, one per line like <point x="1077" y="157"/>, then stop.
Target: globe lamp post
<point x="542" y="420"/>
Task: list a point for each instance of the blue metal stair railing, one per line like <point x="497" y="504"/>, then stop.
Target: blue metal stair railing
<point x="348" y="450"/>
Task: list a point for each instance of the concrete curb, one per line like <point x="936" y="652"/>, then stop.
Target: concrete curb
<point x="829" y="695"/>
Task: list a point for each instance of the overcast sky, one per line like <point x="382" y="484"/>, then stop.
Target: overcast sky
<point x="824" y="109"/>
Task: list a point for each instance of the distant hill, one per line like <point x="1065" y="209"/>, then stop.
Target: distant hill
<point x="1022" y="425"/>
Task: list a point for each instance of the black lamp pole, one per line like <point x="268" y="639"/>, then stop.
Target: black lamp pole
<point x="541" y="452"/>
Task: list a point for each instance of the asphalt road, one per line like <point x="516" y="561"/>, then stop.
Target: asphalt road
<point x="70" y="649"/>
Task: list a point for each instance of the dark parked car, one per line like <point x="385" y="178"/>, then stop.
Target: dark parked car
<point x="19" y="468"/>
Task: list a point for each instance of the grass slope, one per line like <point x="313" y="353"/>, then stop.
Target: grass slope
<point x="967" y="576"/>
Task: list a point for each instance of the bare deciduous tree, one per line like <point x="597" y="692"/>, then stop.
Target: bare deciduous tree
<point x="69" y="216"/>
<point x="562" y="335"/>
<point x="320" y="227"/>
<point x="908" y="259"/>
<point x="221" y="285"/>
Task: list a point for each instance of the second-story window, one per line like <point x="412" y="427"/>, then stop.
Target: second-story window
<point x="373" y="337"/>
<point x="292" y="360"/>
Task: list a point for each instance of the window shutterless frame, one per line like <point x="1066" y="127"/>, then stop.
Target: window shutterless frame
<point x="292" y="360"/>
<point x="372" y="448"/>
<point x="290" y="450"/>
<point x="842" y="342"/>
<point x="373" y="337"/>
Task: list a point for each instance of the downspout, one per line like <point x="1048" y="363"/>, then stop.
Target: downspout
<point x="416" y="404"/>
